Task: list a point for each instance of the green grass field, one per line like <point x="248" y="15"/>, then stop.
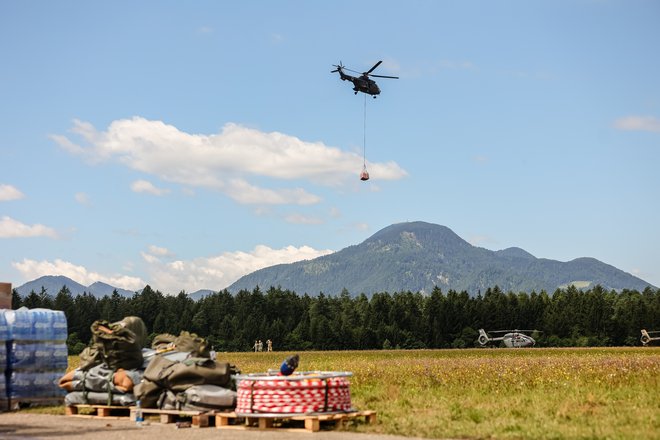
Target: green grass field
<point x="590" y="393"/>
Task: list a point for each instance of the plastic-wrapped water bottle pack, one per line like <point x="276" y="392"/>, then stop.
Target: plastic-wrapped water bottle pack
<point x="33" y="352"/>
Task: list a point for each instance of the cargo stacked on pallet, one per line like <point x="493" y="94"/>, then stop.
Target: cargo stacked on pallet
<point x="36" y="354"/>
<point x="309" y="392"/>
<point x="4" y="338"/>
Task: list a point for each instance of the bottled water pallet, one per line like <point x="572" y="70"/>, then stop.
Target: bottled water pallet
<point x="286" y="422"/>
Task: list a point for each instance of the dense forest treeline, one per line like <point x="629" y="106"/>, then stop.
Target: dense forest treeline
<point x="567" y="317"/>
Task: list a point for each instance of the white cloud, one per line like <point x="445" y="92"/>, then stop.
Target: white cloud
<point x="218" y="272"/>
<point x="160" y="251"/>
<point x="144" y="186"/>
<point x="638" y="123"/>
<point x="302" y="219"/>
<point x="479" y="240"/>
<point x="82" y="198"/>
<point x="9" y="192"/>
<point x="155" y="253"/>
<point x="32" y="269"/>
<point x="227" y="162"/>
<point x="10" y="228"/>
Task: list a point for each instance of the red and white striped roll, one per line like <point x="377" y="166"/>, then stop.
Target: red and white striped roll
<point x="320" y="393"/>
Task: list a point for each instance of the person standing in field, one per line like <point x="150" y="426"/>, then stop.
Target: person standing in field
<point x="269" y="345"/>
<point x="256" y="346"/>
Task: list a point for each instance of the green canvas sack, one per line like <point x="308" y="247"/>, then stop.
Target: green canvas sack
<point x="193" y="344"/>
<point x="186" y="342"/>
<point x="164" y="374"/>
<point x="120" y="342"/>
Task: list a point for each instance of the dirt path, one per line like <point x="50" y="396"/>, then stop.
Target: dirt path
<point x="24" y="426"/>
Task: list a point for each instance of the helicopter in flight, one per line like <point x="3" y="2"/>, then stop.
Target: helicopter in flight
<point x="646" y="338"/>
<point x="511" y="338"/>
<point x="362" y="83"/>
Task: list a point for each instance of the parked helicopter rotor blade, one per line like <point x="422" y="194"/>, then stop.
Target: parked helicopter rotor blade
<point x="383" y="76"/>
<point x="372" y="69"/>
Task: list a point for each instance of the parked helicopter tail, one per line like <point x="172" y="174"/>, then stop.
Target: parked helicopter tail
<point x="483" y="337"/>
<point x="647" y="338"/>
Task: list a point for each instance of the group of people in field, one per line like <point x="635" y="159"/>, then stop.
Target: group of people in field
<point x="259" y="346"/>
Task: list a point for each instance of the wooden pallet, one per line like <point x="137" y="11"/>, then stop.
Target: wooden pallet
<point x="91" y="411"/>
<point x="311" y="423"/>
<point x="198" y="419"/>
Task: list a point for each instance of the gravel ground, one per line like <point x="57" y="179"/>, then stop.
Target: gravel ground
<point x="17" y="425"/>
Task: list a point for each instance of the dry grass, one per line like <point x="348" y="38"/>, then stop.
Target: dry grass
<point x="498" y="393"/>
<point x="588" y="393"/>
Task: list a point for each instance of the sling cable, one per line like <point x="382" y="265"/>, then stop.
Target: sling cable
<point x="364" y="175"/>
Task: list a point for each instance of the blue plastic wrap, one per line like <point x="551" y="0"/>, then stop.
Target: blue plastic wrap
<point x="31" y="384"/>
<point x="4" y="327"/>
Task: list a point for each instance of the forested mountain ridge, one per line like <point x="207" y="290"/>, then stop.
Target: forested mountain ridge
<point x="418" y="256"/>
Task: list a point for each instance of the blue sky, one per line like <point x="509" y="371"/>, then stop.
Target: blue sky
<point x="185" y="144"/>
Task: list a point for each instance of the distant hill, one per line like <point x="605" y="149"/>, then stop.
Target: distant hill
<point x="53" y="284"/>
<point x="418" y="256"/>
<point x="203" y="293"/>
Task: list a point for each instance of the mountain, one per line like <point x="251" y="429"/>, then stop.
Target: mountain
<point x="53" y="284"/>
<point x="203" y="293"/>
<point x="418" y="256"/>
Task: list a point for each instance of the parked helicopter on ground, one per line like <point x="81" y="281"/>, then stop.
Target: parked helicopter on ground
<point x="362" y="83"/>
<point x="511" y="338"/>
<point x="647" y="338"/>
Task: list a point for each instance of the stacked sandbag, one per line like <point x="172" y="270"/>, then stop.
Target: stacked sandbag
<point x="186" y="380"/>
<point x="36" y="353"/>
<point x="110" y="367"/>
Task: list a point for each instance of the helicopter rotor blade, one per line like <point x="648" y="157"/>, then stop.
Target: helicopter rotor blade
<point x="372" y="69"/>
<point x="339" y="67"/>
<point x="383" y="76"/>
<point x="351" y="70"/>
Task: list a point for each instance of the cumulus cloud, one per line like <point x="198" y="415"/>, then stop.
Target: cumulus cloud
<point x="144" y="186"/>
<point x="230" y="161"/>
<point x="220" y="271"/>
<point x="160" y="251"/>
<point x="31" y="269"/>
<point x="9" y="192"/>
<point x="638" y="123"/>
<point x="10" y="228"/>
